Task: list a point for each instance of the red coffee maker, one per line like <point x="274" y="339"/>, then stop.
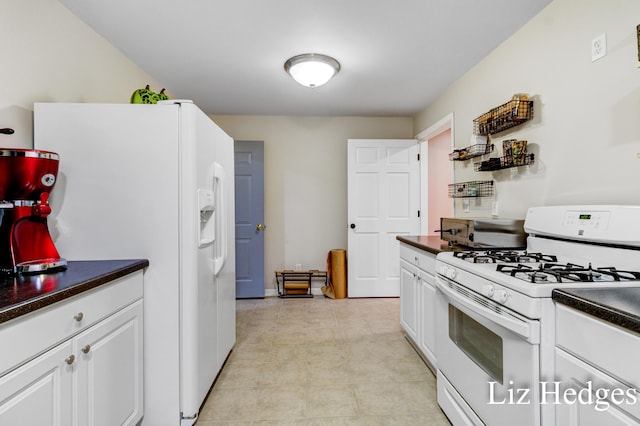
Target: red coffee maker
<point x="26" y="178"/>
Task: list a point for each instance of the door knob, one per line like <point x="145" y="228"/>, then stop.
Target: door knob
<point x="353" y="226"/>
<point x="261" y="227"/>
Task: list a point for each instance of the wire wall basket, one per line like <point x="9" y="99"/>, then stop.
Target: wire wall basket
<point x="471" y="152"/>
<point x="478" y="188"/>
<point x="499" y="163"/>
<point x="510" y="114"/>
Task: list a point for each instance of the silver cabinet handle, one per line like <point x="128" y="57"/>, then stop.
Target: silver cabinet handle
<point x="78" y="317"/>
<point x="86" y="349"/>
<point x="69" y="360"/>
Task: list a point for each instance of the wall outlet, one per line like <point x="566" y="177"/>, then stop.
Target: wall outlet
<point x="598" y="47"/>
<point x="465" y="205"/>
<point x="495" y="209"/>
<point x="298" y="266"/>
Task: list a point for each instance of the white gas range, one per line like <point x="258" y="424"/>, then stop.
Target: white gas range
<point x="495" y="319"/>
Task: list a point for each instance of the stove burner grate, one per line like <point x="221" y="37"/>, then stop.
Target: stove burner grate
<point x="507" y="256"/>
<point x="559" y="273"/>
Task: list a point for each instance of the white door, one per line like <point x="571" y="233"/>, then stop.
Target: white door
<point x="383" y="202"/>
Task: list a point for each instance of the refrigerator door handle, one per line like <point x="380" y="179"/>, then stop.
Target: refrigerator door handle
<point x="220" y="176"/>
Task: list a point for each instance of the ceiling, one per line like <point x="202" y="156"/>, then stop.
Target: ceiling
<point x="396" y="56"/>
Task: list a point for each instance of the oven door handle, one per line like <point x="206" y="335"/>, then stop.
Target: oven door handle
<point x="530" y="330"/>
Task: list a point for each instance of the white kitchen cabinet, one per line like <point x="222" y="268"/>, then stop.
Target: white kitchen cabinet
<point x="417" y="299"/>
<point x="427" y="310"/>
<point x="409" y="290"/>
<point x="594" y="358"/>
<point x="109" y="370"/>
<point x="92" y="372"/>
<point x="39" y="392"/>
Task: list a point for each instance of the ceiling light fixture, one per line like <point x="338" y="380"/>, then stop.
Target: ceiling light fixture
<point x="312" y="69"/>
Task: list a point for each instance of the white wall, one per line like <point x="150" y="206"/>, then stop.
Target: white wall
<point x="306" y="180"/>
<point x="586" y="128"/>
<point x="585" y="134"/>
<point x="49" y="55"/>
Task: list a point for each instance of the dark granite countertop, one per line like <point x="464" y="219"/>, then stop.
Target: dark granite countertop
<point x="431" y="243"/>
<point x="620" y="306"/>
<point x="22" y="294"/>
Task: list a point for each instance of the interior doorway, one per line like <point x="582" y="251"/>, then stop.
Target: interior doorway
<point x="436" y="142"/>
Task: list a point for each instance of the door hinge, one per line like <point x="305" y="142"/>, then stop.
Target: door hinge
<point x="418" y="213"/>
<point x="418" y="156"/>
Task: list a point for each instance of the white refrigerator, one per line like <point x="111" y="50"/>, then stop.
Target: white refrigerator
<point x="154" y="182"/>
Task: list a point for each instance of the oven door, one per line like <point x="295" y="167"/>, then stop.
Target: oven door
<point x="489" y="356"/>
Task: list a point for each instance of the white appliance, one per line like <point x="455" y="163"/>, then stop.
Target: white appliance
<point x="155" y="182"/>
<point x="495" y="318"/>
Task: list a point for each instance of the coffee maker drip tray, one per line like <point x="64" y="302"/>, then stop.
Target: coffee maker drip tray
<point x="41" y="265"/>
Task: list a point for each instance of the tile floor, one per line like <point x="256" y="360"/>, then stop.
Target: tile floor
<point x="322" y="362"/>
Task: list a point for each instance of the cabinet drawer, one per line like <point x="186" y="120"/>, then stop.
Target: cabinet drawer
<point x="29" y="335"/>
<point x="420" y="258"/>
<point x="599" y="343"/>
<point x="622" y="409"/>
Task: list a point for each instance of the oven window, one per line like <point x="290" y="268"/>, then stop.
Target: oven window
<point x="480" y="344"/>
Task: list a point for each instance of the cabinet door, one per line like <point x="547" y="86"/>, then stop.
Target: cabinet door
<point x="39" y="392"/>
<point x="427" y="328"/>
<point x="409" y="299"/>
<point x="109" y="370"/>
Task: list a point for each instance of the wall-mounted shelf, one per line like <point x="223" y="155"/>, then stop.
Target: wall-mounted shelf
<point x="510" y="114"/>
<point x="477" y="188"/>
<point x="499" y="163"/>
<point x="471" y="152"/>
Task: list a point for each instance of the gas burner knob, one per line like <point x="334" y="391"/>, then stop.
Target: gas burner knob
<point x="501" y="295"/>
<point x="450" y="273"/>
<point x="488" y="290"/>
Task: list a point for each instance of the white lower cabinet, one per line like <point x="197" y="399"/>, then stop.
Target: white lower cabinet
<point x="39" y="392"/>
<point x="109" y="370"/>
<point x="427" y="337"/>
<point x="409" y="290"/>
<point x="93" y="376"/>
<point x="417" y="299"/>
<point x="596" y="372"/>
